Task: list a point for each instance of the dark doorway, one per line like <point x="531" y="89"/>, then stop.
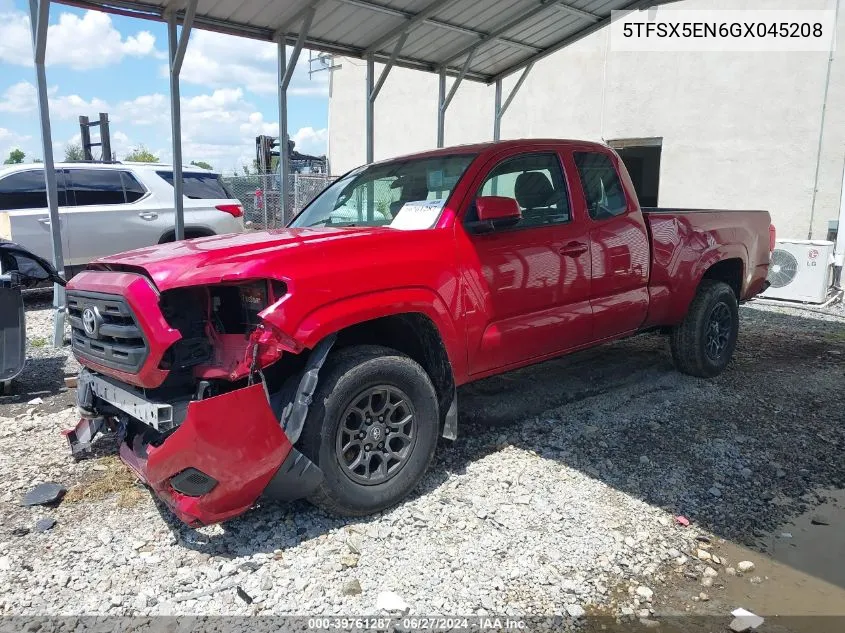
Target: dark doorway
<point x="642" y="159"/>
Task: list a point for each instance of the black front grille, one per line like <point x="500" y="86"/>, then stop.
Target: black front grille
<point x="115" y="340"/>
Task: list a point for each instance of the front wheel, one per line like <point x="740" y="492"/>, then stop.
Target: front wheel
<point x="372" y="429"/>
<point x="703" y="344"/>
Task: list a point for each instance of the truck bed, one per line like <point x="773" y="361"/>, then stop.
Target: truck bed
<point x="687" y="241"/>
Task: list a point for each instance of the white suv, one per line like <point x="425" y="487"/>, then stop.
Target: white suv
<point x="110" y="208"/>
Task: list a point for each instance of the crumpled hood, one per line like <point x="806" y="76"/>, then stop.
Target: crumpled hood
<point x="278" y="253"/>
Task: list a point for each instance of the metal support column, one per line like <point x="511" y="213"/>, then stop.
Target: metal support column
<point x="39" y="15"/>
<point x="370" y="105"/>
<point x="441" y="112"/>
<point x="177" y="45"/>
<point x="284" y="158"/>
<point x="374" y="88"/>
<point x="500" y="107"/>
<point x="286" y="68"/>
<point x="445" y="99"/>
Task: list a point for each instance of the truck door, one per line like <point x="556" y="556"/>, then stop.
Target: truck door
<point x="527" y="285"/>
<point x="24" y="216"/>
<point x="620" y="252"/>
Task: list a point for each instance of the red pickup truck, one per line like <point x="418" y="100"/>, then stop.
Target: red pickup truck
<point x="322" y="360"/>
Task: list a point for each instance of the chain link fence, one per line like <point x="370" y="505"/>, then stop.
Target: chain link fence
<point x="260" y="197"/>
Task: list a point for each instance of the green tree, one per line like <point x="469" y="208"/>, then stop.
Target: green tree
<point x="74" y="153"/>
<point x="141" y="155"/>
<point x="16" y="157"/>
<point x="202" y="164"/>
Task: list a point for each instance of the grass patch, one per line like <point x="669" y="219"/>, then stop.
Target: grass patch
<point x="38" y="341"/>
<point x="113" y="478"/>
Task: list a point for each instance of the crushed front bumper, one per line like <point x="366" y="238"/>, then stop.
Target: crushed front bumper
<point x="229" y="450"/>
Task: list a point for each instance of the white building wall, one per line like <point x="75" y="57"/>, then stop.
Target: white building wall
<point x="739" y="130"/>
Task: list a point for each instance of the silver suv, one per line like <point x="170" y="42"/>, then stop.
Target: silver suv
<point x="110" y="208"/>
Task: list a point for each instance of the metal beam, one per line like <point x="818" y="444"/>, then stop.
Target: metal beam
<point x="563" y="6"/>
<point x="284" y="166"/>
<point x="441" y="113"/>
<point x="297" y="17"/>
<point x="500" y="30"/>
<point x="417" y="19"/>
<point x="297" y="48"/>
<point x="370" y="123"/>
<point x="380" y="8"/>
<point x="286" y="70"/>
<point x="387" y="68"/>
<point x="554" y="48"/>
<point x="176" y="128"/>
<point x="501" y="108"/>
<point x="187" y="23"/>
<point x="39" y="21"/>
<point x="39" y="12"/>
<point x="446" y="99"/>
<point x="217" y="25"/>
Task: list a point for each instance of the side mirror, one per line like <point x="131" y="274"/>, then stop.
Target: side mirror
<point x="495" y="212"/>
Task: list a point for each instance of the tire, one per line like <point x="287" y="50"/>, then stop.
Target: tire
<point x="354" y="383"/>
<point x="700" y="348"/>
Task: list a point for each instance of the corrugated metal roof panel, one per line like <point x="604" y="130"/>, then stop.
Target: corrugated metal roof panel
<point x="508" y="34"/>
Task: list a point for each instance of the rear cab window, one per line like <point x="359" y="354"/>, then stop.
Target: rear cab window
<point x="200" y="186"/>
<point x="602" y="187"/>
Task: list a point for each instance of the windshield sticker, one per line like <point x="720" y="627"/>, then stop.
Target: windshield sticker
<point x="419" y="214"/>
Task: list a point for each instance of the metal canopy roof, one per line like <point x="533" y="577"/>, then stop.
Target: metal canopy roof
<point x="498" y="36"/>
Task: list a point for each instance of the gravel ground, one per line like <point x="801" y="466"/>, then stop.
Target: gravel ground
<point x="559" y="497"/>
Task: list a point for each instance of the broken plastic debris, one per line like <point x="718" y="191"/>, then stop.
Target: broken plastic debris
<point x="44" y="494"/>
<point x="744" y="620"/>
<point x="44" y="524"/>
<point x="243" y="595"/>
<point x="36" y="401"/>
<point x="682" y="520"/>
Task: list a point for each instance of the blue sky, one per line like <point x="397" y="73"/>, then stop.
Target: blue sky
<point x="99" y="62"/>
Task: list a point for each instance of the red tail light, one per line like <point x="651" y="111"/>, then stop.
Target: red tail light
<point x="772" y="236"/>
<point x="235" y="210"/>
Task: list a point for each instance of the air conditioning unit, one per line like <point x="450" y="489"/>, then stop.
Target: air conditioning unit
<point x="800" y="270"/>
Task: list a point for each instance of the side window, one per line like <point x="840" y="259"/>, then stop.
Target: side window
<point x="27" y="190"/>
<point x="602" y="187"/>
<point x="133" y="189"/>
<point x="200" y="186"/>
<point x="96" y="186"/>
<point x="536" y="182"/>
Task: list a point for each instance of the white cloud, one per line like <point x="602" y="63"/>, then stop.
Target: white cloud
<point x="90" y="41"/>
<point x="20" y="98"/>
<point x="218" y="60"/>
<point x="219" y="127"/>
<point x="311" y="141"/>
<point x="72" y="106"/>
<point x="10" y="140"/>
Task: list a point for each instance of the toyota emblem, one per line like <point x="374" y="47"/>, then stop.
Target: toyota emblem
<point x="91" y="322"/>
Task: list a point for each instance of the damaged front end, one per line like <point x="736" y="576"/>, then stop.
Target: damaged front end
<point x="207" y="398"/>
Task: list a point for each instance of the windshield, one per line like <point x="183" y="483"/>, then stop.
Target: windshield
<point x="407" y="194"/>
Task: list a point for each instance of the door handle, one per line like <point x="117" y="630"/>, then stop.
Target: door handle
<point x="44" y="221"/>
<point x="148" y="215"/>
<point x="573" y="249"/>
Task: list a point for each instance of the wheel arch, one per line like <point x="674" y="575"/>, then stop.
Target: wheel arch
<point x="190" y="233"/>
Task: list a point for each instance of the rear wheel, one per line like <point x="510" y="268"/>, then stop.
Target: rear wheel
<point x="704" y="343"/>
<point x="372" y="429"/>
